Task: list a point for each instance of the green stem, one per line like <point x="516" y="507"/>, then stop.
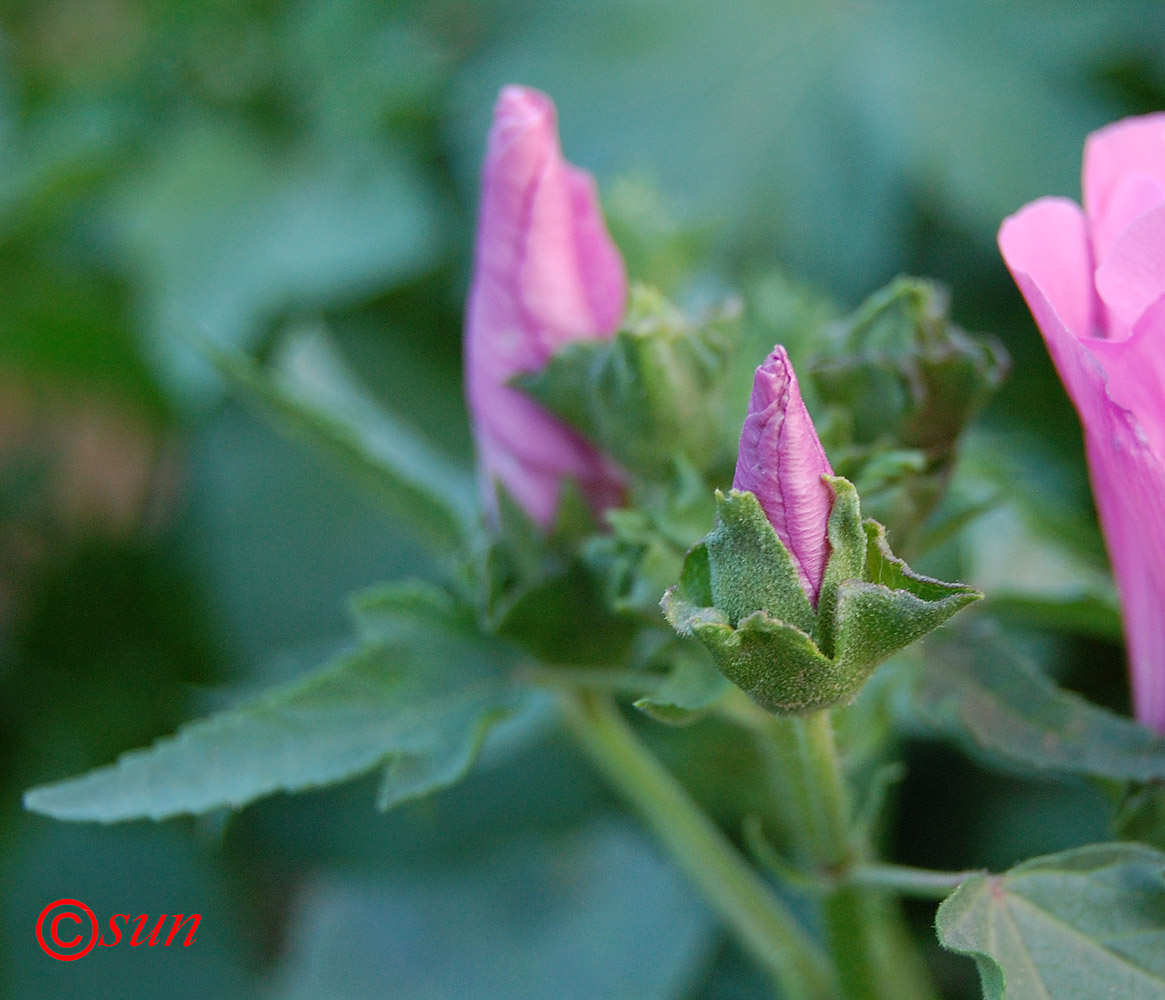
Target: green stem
<point x="743" y="899"/>
<point x="903" y="880"/>
<point x="870" y="947"/>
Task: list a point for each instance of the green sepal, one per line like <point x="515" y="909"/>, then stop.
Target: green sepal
<point x="530" y="586"/>
<point x="650" y="395"/>
<point x="749" y="568"/>
<point x="775" y="662"/>
<point x="847" y="556"/>
<point x="739" y="594"/>
<point x="892" y="607"/>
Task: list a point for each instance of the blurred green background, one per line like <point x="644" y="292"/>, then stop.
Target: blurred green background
<point x="236" y="170"/>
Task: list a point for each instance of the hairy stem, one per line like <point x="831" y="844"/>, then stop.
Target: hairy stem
<point x="870" y="947"/>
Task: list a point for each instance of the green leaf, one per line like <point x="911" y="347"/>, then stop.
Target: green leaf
<point x="416" y="696"/>
<point x="311" y="394"/>
<point x="977" y="689"/>
<point x="1080" y="925"/>
<point x="224" y="231"/>
<point x="648" y="395"/>
<point x="1142" y="815"/>
<point x="533" y="588"/>
<point x="593" y="915"/>
<point x="691" y="686"/>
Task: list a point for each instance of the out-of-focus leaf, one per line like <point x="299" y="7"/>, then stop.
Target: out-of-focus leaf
<point x="417" y="696"/>
<point x="691" y="686"/>
<point x="354" y="69"/>
<point x="1142" y="815"/>
<point x="1080" y="925"/>
<point x="974" y="687"/>
<point x="533" y="589"/>
<point x="596" y="916"/>
<point x="801" y="127"/>
<point x="1036" y="578"/>
<point x="312" y="394"/>
<point x="1025" y="537"/>
<point x="223" y="233"/>
<point x="131" y="869"/>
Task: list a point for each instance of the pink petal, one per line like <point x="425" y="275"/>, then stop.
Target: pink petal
<point x="1132" y="196"/>
<point x="1131" y="277"/>
<point x="545" y="273"/>
<point x="1121" y="163"/>
<point x="781" y="461"/>
<point x="1128" y="475"/>
<point x="1045" y="245"/>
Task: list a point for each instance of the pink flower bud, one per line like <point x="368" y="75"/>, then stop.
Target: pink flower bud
<point x="1095" y="283"/>
<point x="781" y="461"/>
<point x="546" y="272"/>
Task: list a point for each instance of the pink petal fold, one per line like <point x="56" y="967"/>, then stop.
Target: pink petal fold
<point x="781" y="461"/>
<point x="546" y="272"/>
<point x="1095" y="283"/>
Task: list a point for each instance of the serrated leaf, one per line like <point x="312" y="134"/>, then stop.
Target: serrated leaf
<point x="976" y="688"/>
<point x="1080" y="925"/>
<point x="420" y="694"/>
<point x="311" y="394"/>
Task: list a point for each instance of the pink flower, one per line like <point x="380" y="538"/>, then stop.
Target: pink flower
<point x="781" y="462"/>
<point x="545" y="273"/>
<point x="1095" y="282"/>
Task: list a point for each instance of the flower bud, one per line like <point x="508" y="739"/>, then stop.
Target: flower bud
<point x="782" y="462"/>
<point x="545" y="273"/>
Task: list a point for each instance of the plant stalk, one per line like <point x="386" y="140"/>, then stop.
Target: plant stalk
<point x="871" y="950"/>
<point x="761" y="921"/>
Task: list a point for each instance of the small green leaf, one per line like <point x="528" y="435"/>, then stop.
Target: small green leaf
<point x="649" y="394"/>
<point x="1142" y="815"/>
<point x="874" y="621"/>
<point x="750" y="569"/>
<point x="976" y="688"/>
<point x="689" y="602"/>
<point x="532" y="587"/>
<point x="311" y="395"/>
<point x="692" y="685"/>
<point x="1084" y="924"/>
<point x="417" y="698"/>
